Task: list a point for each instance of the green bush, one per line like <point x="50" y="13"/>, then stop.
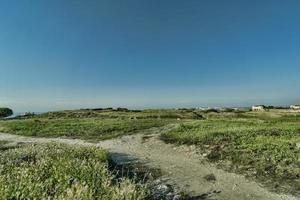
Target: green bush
<point x="5" y="112"/>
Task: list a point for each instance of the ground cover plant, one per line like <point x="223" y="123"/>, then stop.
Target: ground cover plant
<point x="91" y="123"/>
<point x="263" y="144"/>
<point x="121" y="113"/>
<point x="57" y="171"/>
<point x="80" y="128"/>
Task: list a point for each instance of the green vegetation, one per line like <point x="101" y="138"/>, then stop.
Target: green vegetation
<point x="96" y="124"/>
<point x="124" y="114"/>
<point x="5" y="112"/>
<point x="56" y="171"/>
<point x="80" y="128"/>
<point x="3" y="145"/>
<point x="262" y="144"/>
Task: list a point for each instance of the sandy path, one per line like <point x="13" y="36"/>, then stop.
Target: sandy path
<point x="180" y="164"/>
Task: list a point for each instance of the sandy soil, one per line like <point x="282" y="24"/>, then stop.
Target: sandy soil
<point x="180" y="165"/>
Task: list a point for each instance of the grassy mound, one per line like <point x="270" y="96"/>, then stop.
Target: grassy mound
<point x="264" y="148"/>
<point x="93" y="123"/>
<point x="80" y="128"/>
<point x="56" y="171"/>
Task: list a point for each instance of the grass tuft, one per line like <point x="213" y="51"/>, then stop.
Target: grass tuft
<point x="56" y="171"/>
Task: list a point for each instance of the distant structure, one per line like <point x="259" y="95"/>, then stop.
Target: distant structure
<point x="295" y="107"/>
<point x="258" y="108"/>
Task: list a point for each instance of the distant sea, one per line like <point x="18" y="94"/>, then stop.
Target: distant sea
<point x="20" y="114"/>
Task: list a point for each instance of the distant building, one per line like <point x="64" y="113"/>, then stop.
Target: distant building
<point x="258" y="108"/>
<point x="295" y="107"/>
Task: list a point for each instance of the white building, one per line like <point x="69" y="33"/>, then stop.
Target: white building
<point x="295" y="107"/>
<point x="258" y="108"/>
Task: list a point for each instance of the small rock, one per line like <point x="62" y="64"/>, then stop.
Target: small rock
<point x="169" y="195"/>
<point x="163" y="191"/>
<point x="177" y="197"/>
<point x="192" y="147"/>
<point x="210" y="177"/>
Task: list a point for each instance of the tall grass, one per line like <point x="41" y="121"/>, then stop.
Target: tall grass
<point x="56" y="171"/>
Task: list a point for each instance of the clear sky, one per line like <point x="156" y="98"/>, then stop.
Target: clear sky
<point x="63" y="54"/>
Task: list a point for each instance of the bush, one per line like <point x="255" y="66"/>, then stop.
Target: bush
<point x="229" y="110"/>
<point x="211" y="110"/>
<point x="122" y="109"/>
<point x="5" y="112"/>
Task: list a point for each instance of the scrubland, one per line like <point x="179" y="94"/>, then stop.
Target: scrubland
<point x="261" y="145"/>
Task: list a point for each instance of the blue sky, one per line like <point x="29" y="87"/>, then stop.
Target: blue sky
<point x="72" y="54"/>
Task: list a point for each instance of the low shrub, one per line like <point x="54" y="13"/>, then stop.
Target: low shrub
<point x="5" y="112"/>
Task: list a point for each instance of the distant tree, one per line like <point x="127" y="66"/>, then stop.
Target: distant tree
<point x="282" y="107"/>
<point x="211" y="110"/>
<point x="269" y="107"/>
<point x="5" y="112"/>
<point x="136" y="110"/>
<point x="122" y="109"/>
<point x="229" y="110"/>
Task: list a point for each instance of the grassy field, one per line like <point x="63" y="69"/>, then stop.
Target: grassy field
<point x="262" y="144"/>
<point x="96" y="124"/>
<point x="124" y="114"/>
<point x="61" y="172"/>
<point x="79" y="128"/>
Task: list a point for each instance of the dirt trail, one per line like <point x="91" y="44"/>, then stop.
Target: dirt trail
<point x="180" y="165"/>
